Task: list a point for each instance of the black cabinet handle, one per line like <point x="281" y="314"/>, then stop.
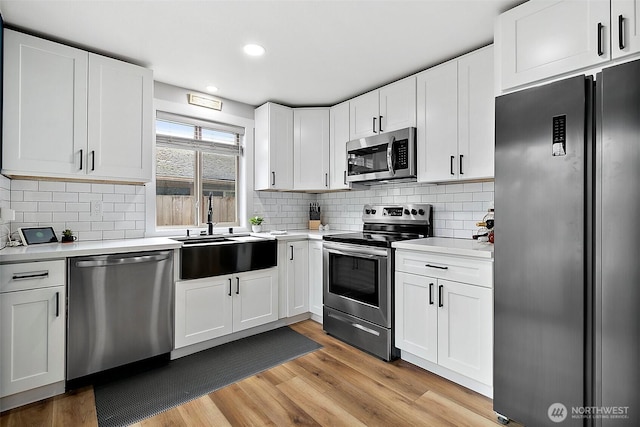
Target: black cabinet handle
<point x="57" y="304"/>
<point x="440" y="304"/>
<point x="451" y="164"/>
<point x="380" y="123"/>
<point x="621" y="32"/>
<point x="229" y="286"/>
<point x="345" y="177"/>
<point x="374" y="125"/>
<point x="31" y="275"/>
<point x="291" y="256"/>
<point x="93" y="160"/>
<point x="273" y="178"/>
<point x="326" y="180"/>
<point x="436" y="266"/>
<point x="600" y="50"/>
<point x="430" y="293"/>
<point x="81" y="156"/>
<point x="461" y="173"/>
<point x="237" y="286"/>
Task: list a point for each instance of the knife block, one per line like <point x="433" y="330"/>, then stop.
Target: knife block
<point x="314" y="224"/>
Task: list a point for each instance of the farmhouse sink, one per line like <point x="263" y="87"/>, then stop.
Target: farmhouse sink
<point x="207" y="256"/>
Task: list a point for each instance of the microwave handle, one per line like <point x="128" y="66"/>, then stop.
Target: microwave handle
<point x="390" y="156"/>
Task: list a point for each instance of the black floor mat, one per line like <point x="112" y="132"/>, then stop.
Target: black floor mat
<point x="124" y="401"/>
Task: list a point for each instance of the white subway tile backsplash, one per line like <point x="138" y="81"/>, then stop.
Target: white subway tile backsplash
<point x="37" y="196"/>
<point x="65" y="197"/>
<point x="89" y="197"/>
<point x="68" y="204"/>
<point x="457" y="206"/>
<point x="22" y="185"/>
<point x="102" y="188"/>
<point x="51" y="186"/>
<point x="78" y="187"/>
<point x="52" y="206"/>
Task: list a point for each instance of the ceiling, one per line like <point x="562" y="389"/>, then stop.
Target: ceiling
<point x="318" y="53"/>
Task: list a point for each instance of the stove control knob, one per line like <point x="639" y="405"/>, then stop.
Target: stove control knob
<point x="421" y="211"/>
<point x="406" y="211"/>
<point x="367" y="211"/>
<point x="414" y="212"/>
<point x="373" y="211"/>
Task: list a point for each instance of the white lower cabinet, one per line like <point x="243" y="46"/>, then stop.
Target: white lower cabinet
<point x="215" y="306"/>
<point x="315" y="278"/>
<point x="444" y="322"/>
<point x="293" y="259"/>
<point x="32" y="327"/>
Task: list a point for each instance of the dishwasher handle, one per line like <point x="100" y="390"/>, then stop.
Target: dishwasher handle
<point x="122" y="261"/>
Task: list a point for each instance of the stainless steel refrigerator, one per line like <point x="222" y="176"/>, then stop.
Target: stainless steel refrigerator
<point x="567" y="258"/>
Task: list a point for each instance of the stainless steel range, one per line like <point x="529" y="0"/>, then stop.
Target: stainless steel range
<point x="358" y="276"/>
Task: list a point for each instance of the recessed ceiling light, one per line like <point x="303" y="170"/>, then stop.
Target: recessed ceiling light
<point x="212" y="89"/>
<point x="253" y="50"/>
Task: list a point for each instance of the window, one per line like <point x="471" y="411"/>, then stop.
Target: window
<point x="196" y="161"/>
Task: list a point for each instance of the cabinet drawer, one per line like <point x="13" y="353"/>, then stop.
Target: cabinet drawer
<point x="449" y="267"/>
<point x="31" y="275"/>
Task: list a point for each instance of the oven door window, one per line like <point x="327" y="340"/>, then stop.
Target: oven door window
<point x="355" y="278"/>
<point x="368" y="160"/>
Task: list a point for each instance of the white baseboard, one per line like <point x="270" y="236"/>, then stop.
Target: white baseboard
<point x="194" y="348"/>
<point x="30" y="396"/>
<point x="478" y="387"/>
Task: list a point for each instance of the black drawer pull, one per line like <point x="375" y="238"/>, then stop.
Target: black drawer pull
<point x="621" y="32"/>
<point x="38" y="275"/>
<point x="436" y="266"/>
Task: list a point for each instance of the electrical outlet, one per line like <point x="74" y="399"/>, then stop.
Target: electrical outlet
<point x="96" y="209"/>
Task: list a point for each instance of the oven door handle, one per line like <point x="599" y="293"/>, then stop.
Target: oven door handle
<point x="390" y="162"/>
<point x="355" y="254"/>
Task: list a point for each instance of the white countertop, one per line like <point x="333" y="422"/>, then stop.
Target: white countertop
<point x="448" y="246"/>
<point x="94" y="247"/>
<point x="300" y="234"/>
<point x="101" y="247"/>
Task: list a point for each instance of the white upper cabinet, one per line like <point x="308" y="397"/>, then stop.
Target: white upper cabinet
<point x="273" y="147"/>
<point x="71" y="114"/>
<point x="476" y="115"/>
<point x="45" y="119"/>
<point x="625" y="27"/>
<point x="386" y="109"/>
<point x="543" y="38"/>
<point x="120" y="116"/>
<point x="338" y="138"/>
<point x="311" y="149"/>
<point x="456" y="119"/>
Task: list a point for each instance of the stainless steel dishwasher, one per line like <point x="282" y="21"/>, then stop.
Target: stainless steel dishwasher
<point x="120" y="310"/>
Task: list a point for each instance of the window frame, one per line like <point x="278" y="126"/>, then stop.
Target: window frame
<point x="244" y="178"/>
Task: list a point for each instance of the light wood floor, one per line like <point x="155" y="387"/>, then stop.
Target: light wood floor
<point x="334" y="386"/>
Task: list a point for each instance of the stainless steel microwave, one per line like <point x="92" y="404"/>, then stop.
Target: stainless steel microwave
<point x="382" y="157"/>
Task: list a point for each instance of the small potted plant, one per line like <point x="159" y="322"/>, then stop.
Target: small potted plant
<point x="256" y="223"/>
<point x="67" y="236"/>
